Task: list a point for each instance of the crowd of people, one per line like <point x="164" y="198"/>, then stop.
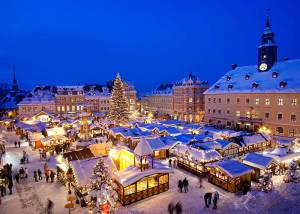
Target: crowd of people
<point x="37" y="174"/>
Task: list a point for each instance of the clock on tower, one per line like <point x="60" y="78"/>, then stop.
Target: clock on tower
<point x="267" y="51"/>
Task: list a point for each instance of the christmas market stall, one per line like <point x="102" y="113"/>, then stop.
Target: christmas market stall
<point x="194" y="160"/>
<point x="260" y="164"/>
<point x="147" y="177"/>
<point x="160" y="149"/>
<point x="230" y="175"/>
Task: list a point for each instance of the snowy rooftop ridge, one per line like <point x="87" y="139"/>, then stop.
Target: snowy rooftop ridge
<point x="241" y="79"/>
<point x="258" y="160"/>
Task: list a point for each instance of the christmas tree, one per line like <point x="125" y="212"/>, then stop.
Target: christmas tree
<point x="292" y="174"/>
<point x="102" y="192"/>
<point x="119" y="112"/>
<point x="265" y="183"/>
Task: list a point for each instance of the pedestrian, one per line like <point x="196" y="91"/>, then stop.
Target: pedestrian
<point x="174" y="163"/>
<point x="17" y="177"/>
<point x="50" y="206"/>
<point x="178" y="208"/>
<point x="170" y="162"/>
<point x="52" y="176"/>
<point x="207" y="199"/>
<point x="19" y="143"/>
<point x="215" y="200"/>
<point x="15" y="144"/>
<point x="40" y="174"/>
<point x="171" y="208"/>
<point x="26" y="173"/>
<point x="10" y="186"/>
<point x="185" y="184"/>
<point x="47" y="175"/>
<point x="180" y="185"/>
<point x="35" y="176"/>
<point x="200" y="181"/>
<point x="3" y="190"/>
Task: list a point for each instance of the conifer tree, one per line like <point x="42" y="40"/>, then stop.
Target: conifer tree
<point x="119" y="112"/>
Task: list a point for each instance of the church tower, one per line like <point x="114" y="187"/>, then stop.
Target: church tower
<point x="14" y="87"/>
<point x="267" y="51"/>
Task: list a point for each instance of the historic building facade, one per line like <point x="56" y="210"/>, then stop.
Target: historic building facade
<point x="183" y="100"/>
<point x="261" y="97"/>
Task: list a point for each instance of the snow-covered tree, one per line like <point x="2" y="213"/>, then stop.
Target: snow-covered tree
<point x="119" y="111"/>
<point x="102" y="193"/>
<point x="265" y="183"/>
<point x="292" y="175"/>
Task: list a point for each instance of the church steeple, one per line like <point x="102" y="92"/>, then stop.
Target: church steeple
<point x="267" y="51"/>
<point x="14" y="87"/>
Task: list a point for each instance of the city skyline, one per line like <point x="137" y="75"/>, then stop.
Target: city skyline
<point x="186" y="38"/>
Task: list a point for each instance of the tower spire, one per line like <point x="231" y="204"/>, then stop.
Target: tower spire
<point x="14" y="83"/>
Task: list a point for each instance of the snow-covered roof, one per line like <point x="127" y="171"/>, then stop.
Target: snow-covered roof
<point x="132" y="174"/>
<point x="257" y="160"/>
<point x="233" y="168"/>
<point x="157" y="143"/>
<point x="282" y="154"/>
<point x="253" y="139"/>
<point x="215" y="144"/>
<point x="143" y="148"/>
<point x="267" y="82"/>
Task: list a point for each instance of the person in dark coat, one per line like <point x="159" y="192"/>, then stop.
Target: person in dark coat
<point x="185" y="184"/>
<point x="10" y="186"/>
<point x="19" y="143"/>
<point x="3" y="190"/>
<point x="52" y="176"/>
<point x="171" y="208"/>
<point x="180" y="185"/>
<point x="15" y="144"/>
<point x="35" y="175"/>
<point x="40" y="174"/>
<point x="207" y="199"/>
<point x="17" y="177"/>
<point x="47" y="175"/>
<point x="170" y="162"/>
<point x="178" y="208"/>
<point x="215" y="200"/>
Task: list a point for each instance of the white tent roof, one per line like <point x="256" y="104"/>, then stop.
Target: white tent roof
<point x="143" y="148"/>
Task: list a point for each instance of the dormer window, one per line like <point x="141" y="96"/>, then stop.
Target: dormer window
<point x="254" y="85"/>
<point x="282" y="84"/>
<point x="230" y="86"/>
<point x="247" y="77"/>
<point x="275" y="74"/>
<point x="217" y="87"/>
<point x="228" y="78"/>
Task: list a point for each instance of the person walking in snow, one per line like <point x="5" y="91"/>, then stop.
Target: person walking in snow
<point x="52" y="176"/>
<point x="50" y="206"/>
<point x="185" y="184"/>
<point x="19" y="143"/>
<point x="174" y="163"/>
<point x="178" y="208"/>
<point x="207" y="199"/>
<point x="40" y="174"/>
<point x="180" y="185"/>
<point x="35" y="175"/>
<point x="15" y="144"/>
<point x="171" y="208"/>
<point x="10" y="186"/>
<point x="17" y="177"/>
<point x="26" y="173"/>
<point x="47" y="174"/>
<point x="215" y="200"/>
<point x="170" y="163"/>
<point x="200" y="181"/>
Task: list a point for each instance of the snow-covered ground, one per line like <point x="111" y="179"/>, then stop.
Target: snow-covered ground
<point x="31" y="197"/>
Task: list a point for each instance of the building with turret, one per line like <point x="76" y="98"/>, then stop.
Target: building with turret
<point x="262" y="97"/>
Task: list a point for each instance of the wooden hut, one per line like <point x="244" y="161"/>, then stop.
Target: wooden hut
<point x="144" y="179"/>
<point x="230" y="175"/>
<point x="260" y="164"/>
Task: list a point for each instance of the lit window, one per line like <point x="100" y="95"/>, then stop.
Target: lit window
<point x="292" y="132"/>
<point x="257" y="101"/>
<point x="209" y="111"/>
<point x="190" y="100"/>
<point x="238" y="113"/>
<point x="58" y="108"/>
<point x="62" y="108"/>
<point x="77" y="108"/>
<point x="68" y="108"/>
<point x="248" y="114"/>
<point x="280" y="102"/>
<point x="267" y="101"/>
<point x="294" y="101"/>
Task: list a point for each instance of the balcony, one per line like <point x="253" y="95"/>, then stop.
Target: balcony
<point x="250" y="119"/>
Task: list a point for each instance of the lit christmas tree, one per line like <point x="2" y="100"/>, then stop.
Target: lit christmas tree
<point x="103" y="195"/>
<point x="292" y="174"/>
<point x="119" y="112"/>
<point x="265" y="183"/>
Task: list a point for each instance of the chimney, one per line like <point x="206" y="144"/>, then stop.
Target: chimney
<point x="233" y="66"/>
<point x="285" y="59"/>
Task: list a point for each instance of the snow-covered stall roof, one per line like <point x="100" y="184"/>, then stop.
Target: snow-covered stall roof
<point x="132" y="174"/>
<point x="215" y="144"/>
<point x="253" y="139"/>
<point x="143" y="148"/>
<point x="185" y="138"/>
<point x="83" y="170"/>
<point x="267" y="81"/>
<point x="169" y="141"/>
<point x="156" y="143"/>
<point x="282" y="154"/>
<point x="257" y="160"/>
<point x="233" y="168"/>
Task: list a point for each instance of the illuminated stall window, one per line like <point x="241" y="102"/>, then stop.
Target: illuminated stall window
<point x="163" y="179"/>
<point x="130" y="190"/>
<point x="142" y="185"/>
<point x="152" y="181"/>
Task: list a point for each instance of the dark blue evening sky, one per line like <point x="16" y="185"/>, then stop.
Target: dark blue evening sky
<point x="148" y="42"/>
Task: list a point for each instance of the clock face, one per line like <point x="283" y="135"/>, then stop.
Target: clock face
<point x="263" y="66"/>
